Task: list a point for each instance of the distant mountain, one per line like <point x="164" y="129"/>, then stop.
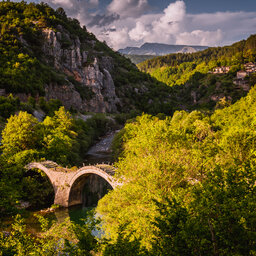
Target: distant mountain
<point x="161" y="49"/>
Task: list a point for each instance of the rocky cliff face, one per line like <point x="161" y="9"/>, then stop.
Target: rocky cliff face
<point x="87" y="71"/>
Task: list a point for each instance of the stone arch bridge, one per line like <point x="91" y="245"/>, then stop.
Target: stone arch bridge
<point x="68" y="183"/>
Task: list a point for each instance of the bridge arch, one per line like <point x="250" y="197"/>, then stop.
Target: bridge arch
<point x="106" y="175"/>
<point x="88" y="178"/>
<point x="42" y="167"/>
<point x="68" y="184"/>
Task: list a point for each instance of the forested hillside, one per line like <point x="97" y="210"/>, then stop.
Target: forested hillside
<point x="189" y="74"/>
<point x="138" y="58"/>
<point x="185" y="169"/>
<point x="189" y="182"/>
<point x="238" y="53"/>
<point x="45" y="53"/>
<point x="48" y="60"/>
<point x="189" y="185"/>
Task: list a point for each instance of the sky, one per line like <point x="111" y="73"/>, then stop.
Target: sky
<point x="123" y="23"/>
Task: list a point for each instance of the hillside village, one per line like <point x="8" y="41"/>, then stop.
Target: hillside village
<point x="249" y="68"/>
<point x="221" y="70"/>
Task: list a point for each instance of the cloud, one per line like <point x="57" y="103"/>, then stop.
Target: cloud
<point x="175" y="12"/>
<point x="76" y="5"/>
<point x="169" y="24"/>
<point x="139" y="32"/>
<point x="129" y="23"/>
<point x="103" y="20"/>
<point x="233" y="25"/>
<point x="64" y="3"/>
<point x="128" y="8"/>
<point x="199" y="37"/>
<point x="175" y="26"/>
<point x="94" y="2"/>
<point x="79" y="9"/>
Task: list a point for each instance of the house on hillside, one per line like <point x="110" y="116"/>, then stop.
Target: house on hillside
<point x="250" y="67"/>
<point x="221" y="70"/>
<point x="240" y="80"/>
<point x="241" y="84"/>
<point x="241" y="74"/>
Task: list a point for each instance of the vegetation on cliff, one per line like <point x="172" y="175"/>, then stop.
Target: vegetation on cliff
<point x="28" y="67"/>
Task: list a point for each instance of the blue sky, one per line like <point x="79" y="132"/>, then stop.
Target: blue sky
<point x="199" y="6"/>
<point x="124" y="23"/>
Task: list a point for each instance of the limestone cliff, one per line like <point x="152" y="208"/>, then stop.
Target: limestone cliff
<point x="90" y="75"/>
<point x="47" y="54"/>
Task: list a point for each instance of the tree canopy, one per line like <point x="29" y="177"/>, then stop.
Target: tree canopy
<point x="189" y="182"/>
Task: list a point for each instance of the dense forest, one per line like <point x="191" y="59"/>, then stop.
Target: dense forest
<point x="189" y="185"/>
<point x="191" y="182"/>
<point x="187" y="166"/>
<point x="190" y="74"/>
<point x="136" y="59"/>
<point x="238" y="53"/>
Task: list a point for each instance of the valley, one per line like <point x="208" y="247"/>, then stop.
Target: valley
<point x="163" y="151"/>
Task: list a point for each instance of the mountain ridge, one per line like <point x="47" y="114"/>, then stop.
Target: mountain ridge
<point x="159" y="49"/>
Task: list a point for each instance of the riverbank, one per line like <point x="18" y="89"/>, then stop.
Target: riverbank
<point x="101" y="151"/>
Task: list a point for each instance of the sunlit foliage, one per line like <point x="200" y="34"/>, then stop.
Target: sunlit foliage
<point x="202" y="168"/>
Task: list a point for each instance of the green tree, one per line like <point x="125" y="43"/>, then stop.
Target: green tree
<point x="20" y="134"/>
<point x="58" y="136"/>
<point x="204" y="162"/>
<point x="218" y="220"/>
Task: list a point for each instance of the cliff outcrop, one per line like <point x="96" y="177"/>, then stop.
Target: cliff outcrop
<point x="89" y="75"/>
<point x="44" y="53"/>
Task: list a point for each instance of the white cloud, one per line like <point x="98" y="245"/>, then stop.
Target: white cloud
<point x="175" y="12"/>
<point x="129" y="23"/>
<point x="64" y="3"/>
<point x="139" y="32"/>
<point x="199" y="37"/>
<point x="169" y="24"/>
<point x="233" y="25"/>
<point x="128" y="8"/>
<point x="94" y="2"/>
<point x="175" y="26"/>
<point x="120" y="36"/>
<point x="79" y="9"/>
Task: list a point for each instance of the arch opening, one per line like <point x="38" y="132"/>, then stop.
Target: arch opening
<point x="88" y="189"/>
<point x="38" y="189"/>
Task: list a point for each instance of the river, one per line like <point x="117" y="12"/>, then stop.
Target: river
<point x="101" y="151"/>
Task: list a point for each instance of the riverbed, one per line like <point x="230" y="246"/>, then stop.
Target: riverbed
<point x="101" y="151"/>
